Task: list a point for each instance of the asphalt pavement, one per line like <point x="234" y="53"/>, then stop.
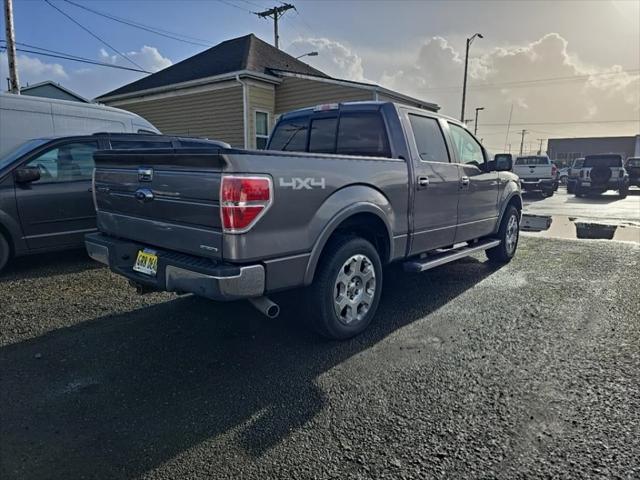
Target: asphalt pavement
<point x="531" y="370"/>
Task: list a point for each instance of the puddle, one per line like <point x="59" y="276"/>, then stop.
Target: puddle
<point x="560" y="226"/>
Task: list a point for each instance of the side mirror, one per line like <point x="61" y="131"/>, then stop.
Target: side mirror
<point x="26" y="174"/>
<point x="504" y="162"/>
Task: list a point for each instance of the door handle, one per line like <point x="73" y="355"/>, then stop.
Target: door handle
<point x="423" y="181"/>
<point x="464" y="182"/>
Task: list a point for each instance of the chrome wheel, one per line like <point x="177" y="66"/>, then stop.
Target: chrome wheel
<point x="354" y="289"/>
<point x="511" y="236"/>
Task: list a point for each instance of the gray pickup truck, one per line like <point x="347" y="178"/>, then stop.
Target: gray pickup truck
<point x="340" y="191"/>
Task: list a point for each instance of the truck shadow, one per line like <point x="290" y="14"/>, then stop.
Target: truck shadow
<point x="122" y="394"/>
<point x="47" y="265"/>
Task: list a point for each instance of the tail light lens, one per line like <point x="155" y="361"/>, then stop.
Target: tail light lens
<point x="554" y="170"/>
<point x="243" y="200"/>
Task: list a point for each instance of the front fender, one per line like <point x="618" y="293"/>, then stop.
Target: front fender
<point x="510" y="190"/>
<point x="359" y="199"/>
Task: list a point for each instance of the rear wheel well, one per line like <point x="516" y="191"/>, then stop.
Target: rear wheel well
<point x="5" y="233"/>
<point x="368" y="226"/>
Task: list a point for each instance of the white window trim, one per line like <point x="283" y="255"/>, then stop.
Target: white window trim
<point x="255" y="125"/>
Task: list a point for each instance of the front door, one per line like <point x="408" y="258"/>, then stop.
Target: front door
<point x="57" y="210"/>
<point x="478" y="205"/>
<point x="436" y="186"/>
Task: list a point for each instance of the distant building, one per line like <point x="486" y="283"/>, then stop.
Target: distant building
<point x="235" y="91"/>
<point x="49" y="89"/>
<point x="564" y="150"/>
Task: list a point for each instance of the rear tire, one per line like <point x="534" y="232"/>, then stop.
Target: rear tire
<point x="5" y="251"/>
<point x="349" y="276"/>
<point x="508" y="234"/>
<point x="622" y="193"/>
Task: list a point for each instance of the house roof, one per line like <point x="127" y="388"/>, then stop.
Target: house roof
<point x="36" y="86"/>
<point x="247" y="53"/>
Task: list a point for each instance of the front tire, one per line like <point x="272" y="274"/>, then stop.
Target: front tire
<point x="508" y="234"/>
<point x="5" y="252"/>
<point x="346" y="291"/>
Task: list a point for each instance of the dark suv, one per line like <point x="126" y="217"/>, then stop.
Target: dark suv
<point x="633" y="169"/>
<point x="45" y="189"/>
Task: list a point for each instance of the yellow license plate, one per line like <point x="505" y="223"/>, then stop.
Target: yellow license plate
<point x="146" y="262"/>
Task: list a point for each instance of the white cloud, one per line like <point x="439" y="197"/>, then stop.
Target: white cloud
<point x="33" y="70"/>
<point x="149" y="58"/>
<point x="334" y="58"/>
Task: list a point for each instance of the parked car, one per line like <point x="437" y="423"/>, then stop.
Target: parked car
<point x="573" y="174"/>
<point x="632" y="166"/>
<point x="600" y="173"/>
<point x="563" y="175"/>
<point x="537" y="174"/>
<point x="24" y="117"/>
<point x="45" y="189"/>
<point x="340" y="191"/>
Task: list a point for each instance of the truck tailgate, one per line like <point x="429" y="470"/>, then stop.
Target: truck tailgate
<point x="532" y="172"/>
<point x="138" y="193"/>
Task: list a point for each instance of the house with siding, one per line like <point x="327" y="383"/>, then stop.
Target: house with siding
<point x="235" y="91"/>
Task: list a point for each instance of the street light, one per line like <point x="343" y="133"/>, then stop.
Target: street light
<point x="310" y="54"/>
<point x="475" y="124"/>
<point x="466" y="63"/>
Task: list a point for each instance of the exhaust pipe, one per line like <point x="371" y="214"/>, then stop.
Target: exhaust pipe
<point x="265" y="306"/>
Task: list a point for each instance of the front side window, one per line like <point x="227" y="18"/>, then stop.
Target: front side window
<point x="262" y="130"/>
<point x="290" y="135"/>
<point x="468" y="149"/>
<point x="362" y="134"/>
<point x="66" y="163"/>
<point x="429" y="139"/>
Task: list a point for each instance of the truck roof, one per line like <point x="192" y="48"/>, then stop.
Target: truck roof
<point x="361" y="106"/>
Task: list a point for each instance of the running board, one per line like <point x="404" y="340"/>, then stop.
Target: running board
<point x="438" y="259"/>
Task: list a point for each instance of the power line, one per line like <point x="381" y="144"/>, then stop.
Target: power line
<point x="231" y="4"/>
<point x="530" y="82"/>
<point x="148" y="28"/>
<point x="92" y="34"/>
<point x="74" y="58"/>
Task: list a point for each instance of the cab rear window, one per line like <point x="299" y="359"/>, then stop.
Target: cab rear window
<point x="357" y="133"/>
<point x="532" y="161"/>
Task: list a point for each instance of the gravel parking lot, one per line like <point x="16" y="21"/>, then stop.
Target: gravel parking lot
<point x="531" y="370"/>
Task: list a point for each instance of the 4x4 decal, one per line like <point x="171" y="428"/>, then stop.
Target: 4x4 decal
<point x="297" y="183"/>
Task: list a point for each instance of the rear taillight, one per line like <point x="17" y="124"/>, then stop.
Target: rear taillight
<point x="554" y="170"/>
<point x="243" y="200"/>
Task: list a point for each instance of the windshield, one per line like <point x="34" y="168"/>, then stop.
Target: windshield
<point x="603" y="161"/>
<point x="532" y="161"/>
<point x="21" y="150"/>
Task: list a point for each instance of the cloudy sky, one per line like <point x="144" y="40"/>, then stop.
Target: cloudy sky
<point x="568" y="68"/>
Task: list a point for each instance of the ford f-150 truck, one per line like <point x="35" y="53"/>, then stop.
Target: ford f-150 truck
<point x="537" y="173"/>
<point x="340" y="191"/>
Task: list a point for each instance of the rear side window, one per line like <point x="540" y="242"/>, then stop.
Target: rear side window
<point x="362" y="134"/>
<point x="429" y="139"/>
<point x="290" y="135"/>
<point x="322" y="138"/>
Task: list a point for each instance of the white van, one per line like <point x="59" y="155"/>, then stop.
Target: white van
<point x="23" y="117"/>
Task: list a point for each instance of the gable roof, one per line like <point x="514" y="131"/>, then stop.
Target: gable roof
<point x="52" y="84"/>
<point x="238" y="54"/>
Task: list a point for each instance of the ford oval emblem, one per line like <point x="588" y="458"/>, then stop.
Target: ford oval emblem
<point x="143" y="195"/>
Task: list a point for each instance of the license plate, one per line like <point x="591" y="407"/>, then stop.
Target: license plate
<point x="146" y="262"/>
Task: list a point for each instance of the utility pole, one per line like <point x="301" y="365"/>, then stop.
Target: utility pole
<point x="466" y="64"/>
<point x="275" y="13"/>
<point x="540" y="150"/>
<point x="523" y="133"/>
<point x="14" y="81"/>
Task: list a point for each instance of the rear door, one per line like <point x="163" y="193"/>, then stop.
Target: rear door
<point x="57" y="210"/>
<point x="436" y="186"/>
<point x="478" y="203"/>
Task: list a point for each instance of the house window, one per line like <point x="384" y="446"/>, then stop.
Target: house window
<point x="262" y="130"/>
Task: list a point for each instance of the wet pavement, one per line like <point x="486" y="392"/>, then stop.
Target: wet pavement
<point x="603" y="217"/>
